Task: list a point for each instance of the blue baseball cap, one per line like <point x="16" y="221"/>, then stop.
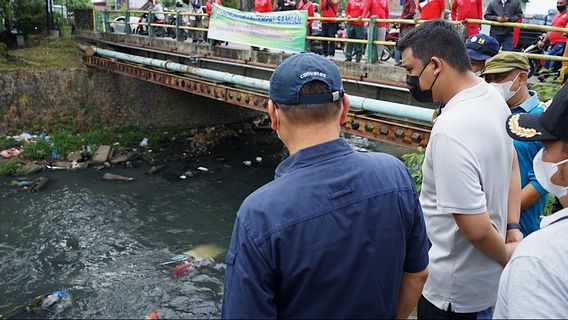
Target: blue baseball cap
<point x="293" y="73"/>
<point x="481" y="47"/>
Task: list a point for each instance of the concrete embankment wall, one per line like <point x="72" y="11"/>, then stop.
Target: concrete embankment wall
<point x="87" y="98"/>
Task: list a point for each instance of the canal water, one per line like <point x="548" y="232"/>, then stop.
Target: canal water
<point x="102" y="242"/>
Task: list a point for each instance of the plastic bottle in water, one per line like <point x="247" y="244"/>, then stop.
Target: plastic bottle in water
<point x="52" y="299"/>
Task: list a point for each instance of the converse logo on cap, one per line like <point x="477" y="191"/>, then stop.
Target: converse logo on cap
<point x="313" y="74"/>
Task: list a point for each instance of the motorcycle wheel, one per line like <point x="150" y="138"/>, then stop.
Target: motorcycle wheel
<point x="385" y="55"/>
<point x="534" y="65"/>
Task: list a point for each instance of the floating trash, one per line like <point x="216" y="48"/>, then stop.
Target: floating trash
<point x="203" y="169"/>
<point x="182" y="269"/>
<point x="152" y="315"/>
<point x="115" y="177"/>
<point x="258" y="159"/>
<point x="175" y="259"/>
<point x="247" y="163"/>
<point x="203" y="252"/>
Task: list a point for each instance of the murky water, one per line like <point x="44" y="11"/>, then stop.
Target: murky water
<point x="101" y="242"/>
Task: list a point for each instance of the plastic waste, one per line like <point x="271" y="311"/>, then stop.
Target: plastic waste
<point x="52" y="299"/>
<point x="115" y="177"/>
<point x="247" y="163"/>
<point x="175" y="259"/>
<point x="203" y="169"/>
<point x="144" y="142"/>
<point x="9" y="153"/>
<point x="20" y="183"/>
<point x="152" y="315"/>
<point x="182" y="269"/>
<point x="54" y="155"/>
<point x="258" y="159"/>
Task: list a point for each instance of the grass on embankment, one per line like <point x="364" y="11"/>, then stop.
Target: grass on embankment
<point x="55" y="54"/>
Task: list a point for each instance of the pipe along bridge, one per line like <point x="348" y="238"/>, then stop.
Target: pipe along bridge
<point x="392" y="123"/>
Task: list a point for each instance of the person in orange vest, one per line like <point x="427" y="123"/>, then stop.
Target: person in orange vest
<point x="309" y="6"/>
<point x="355" y="29"/>
<point x="464" y="9"/>
<point x="431" y="9"/>
<point x="380" y="9"/>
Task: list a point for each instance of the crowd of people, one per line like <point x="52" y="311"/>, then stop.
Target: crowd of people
<point x="344" y="234"/>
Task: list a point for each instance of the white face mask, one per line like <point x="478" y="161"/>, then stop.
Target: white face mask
<point x="477" y="74"/>
<point x="544" y="171"/>
<point x="505" y="88"/>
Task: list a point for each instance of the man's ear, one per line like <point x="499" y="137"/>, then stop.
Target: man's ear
<point x="345" y="103"/>
<point x="438" y="64"/>
<point x="272" y="114"/>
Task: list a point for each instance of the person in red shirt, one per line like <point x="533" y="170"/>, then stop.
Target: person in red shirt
<point x="464" y="9"/>
<point x="309" y="6"/>
<point x="355" y="29"/>
<point x="208" y="9"/>
<point x="557" y="39"/>
<point x="328" y="9"/>
<point x="431" y="9"/>
<point x="380" y="9"/>
<point x="262" y="6"/>
<point x="408" y="12"/>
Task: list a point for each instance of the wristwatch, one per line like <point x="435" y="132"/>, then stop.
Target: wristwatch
<point x="513" y="226"/>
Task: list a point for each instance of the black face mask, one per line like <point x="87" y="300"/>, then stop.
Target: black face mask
<point x="413" y="83"/>
<point x="561" y="8"/>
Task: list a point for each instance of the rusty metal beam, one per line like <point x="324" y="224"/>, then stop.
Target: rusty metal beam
<point x="370" y="125"/>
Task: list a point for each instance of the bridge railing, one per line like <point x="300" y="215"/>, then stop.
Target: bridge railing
<point x="103" y="25"/>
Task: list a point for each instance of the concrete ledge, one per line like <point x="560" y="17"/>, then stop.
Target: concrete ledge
<point x="360" y="71"/>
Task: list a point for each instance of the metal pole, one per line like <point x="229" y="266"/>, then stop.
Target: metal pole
<point x="360" y="103"/>
<point x="370" y="38"/>
<point x="47" y="15"/>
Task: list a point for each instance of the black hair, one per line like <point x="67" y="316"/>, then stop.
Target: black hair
<point x="437" y="38"/>
<point x="310" y="113"/>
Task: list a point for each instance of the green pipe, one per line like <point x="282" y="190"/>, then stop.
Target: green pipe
<point x="359" y="103"/>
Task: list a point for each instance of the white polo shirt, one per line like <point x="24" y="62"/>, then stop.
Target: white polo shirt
<point x="467" y="170"/>
<point x="534" y="285"/>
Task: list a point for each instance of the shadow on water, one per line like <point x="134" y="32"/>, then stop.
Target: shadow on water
<point x="101" y="242"/>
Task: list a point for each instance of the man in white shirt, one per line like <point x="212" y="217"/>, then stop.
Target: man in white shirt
<point x="534" y="284"/>
<point x="469" y="174"/>
<point x="158" y="10"/>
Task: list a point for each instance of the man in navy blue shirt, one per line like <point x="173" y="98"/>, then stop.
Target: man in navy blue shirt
<point x="338" y="233"/>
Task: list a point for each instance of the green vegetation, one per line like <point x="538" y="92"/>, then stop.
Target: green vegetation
<point x="39" y="150"/>
<point x="56" y="54"/>
<point x="413" y="162"/>
<point x="545" y="90"/>
<point x="9" y="167"/>
<point x="8" y="142"/>
<point x="549" y="203"/>
<point x="65" y="141"/>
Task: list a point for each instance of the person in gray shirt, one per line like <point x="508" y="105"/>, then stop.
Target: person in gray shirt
<point x="503" y="11"/>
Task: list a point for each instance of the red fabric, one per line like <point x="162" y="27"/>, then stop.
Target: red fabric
<point x="262" y="6"/>
<point x="379" y="8"/>
<point x="331" y="12"/>
<point x="209" y="5"/>
<point x="468" y="9"/>
<point x="560" y="20"/>
<point x="431" y="9"/>
<point x="516" y="34"/>
<point x="307" y="6"/>
<point x="355" y="9"/>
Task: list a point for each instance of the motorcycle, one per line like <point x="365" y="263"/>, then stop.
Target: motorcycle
<point x="535" y="64"/>
<point x="392" y="35"/>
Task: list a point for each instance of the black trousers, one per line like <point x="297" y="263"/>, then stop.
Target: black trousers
<point x="328" y="30"/>
<point x="427" y="310"/>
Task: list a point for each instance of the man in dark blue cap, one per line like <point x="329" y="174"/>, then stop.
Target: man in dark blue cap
<point x="534" y="284"/>
<point x="480" y="48"/>
<point x="337" y="233"/>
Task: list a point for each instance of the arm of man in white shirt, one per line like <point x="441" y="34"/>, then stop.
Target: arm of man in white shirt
<point x="514" y="204"/>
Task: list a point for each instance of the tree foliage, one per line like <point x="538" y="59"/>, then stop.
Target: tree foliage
<point x="79" y="4"/>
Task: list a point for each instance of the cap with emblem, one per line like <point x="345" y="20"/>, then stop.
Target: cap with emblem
<point x="506" y="61"/>
<point x="552" y="124"/>
<point x="481" y="47"/>
<point x="293" y="73"/>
